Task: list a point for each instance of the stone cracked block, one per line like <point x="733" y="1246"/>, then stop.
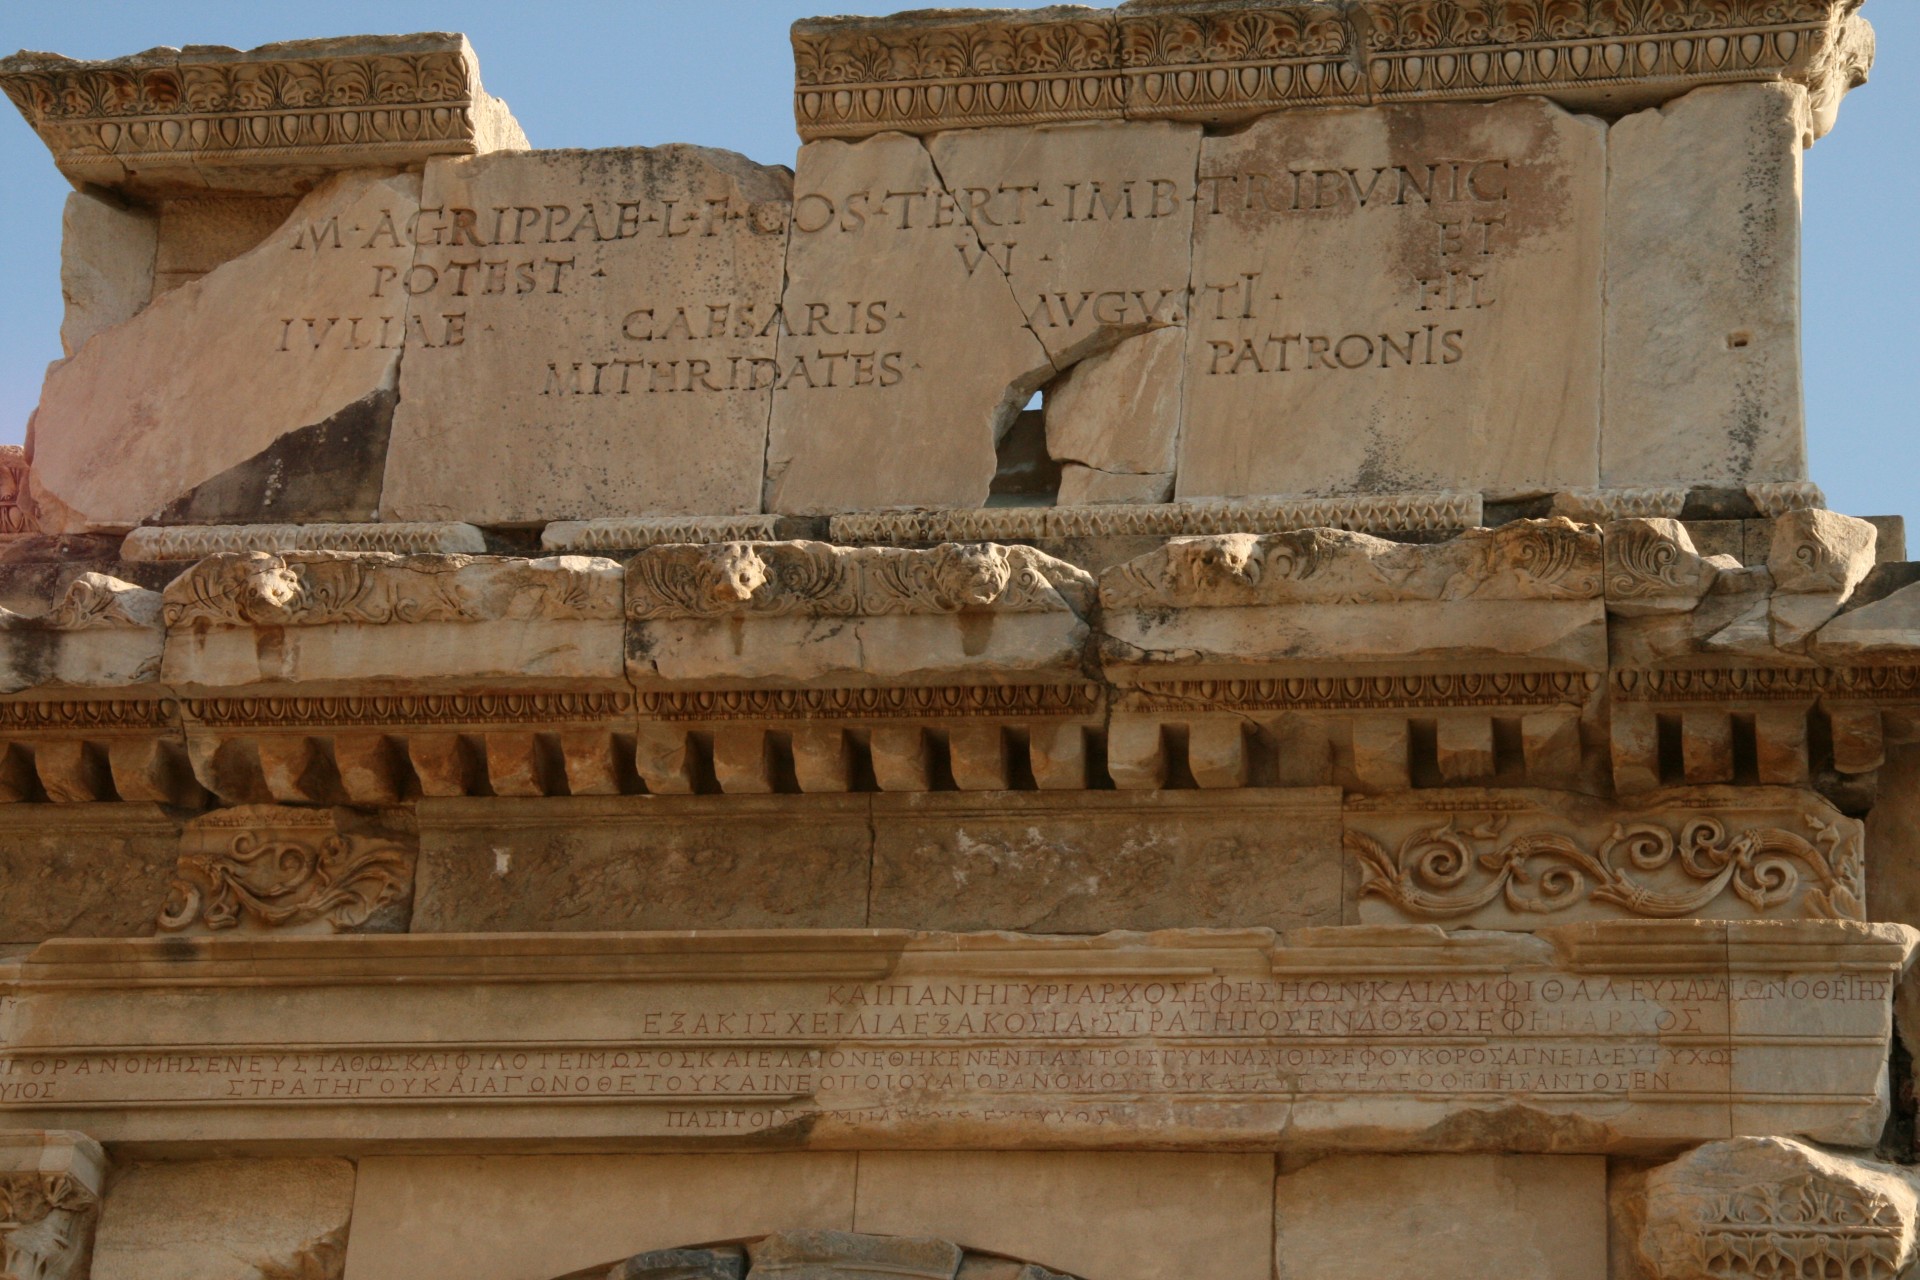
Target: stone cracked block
<point x="876" y="287"/>
<point x="1394" y="299"/>
<point x="302" y="390"/>
<point x="592" y="863"/>
<point x="618" y="312"/>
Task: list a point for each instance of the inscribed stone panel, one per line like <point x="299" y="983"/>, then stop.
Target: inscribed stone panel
<point x="1443" y="1217"/>
<point x="618" y="316"/>
<point x="519" y="1217"/>
<point x="903" y="351"/>
<point x="1603" y="1036"/>
<point x="1097" y="861"/>
<point x="1091" y="224"/>
<point x="1157" y="1212"/>
<point x="1394" y="299"/>
<point x="642" y="863"/>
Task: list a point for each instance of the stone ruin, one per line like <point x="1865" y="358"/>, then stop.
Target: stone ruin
<point x="1208" y="620"/>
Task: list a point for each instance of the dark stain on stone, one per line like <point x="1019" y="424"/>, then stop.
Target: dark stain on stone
<point x="329" y="471"/>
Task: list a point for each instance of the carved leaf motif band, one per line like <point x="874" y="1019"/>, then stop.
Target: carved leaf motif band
<point x="773" y="579"/>
<point x="276" y="880"/>
<point x="856" y="77"/>
<point x="178" y="113"/>
<point x="1453" y="870"/>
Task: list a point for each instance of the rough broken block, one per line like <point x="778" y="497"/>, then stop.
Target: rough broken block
<point x="287" y="347"/>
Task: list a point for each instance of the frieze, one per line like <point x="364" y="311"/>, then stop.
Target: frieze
<point x="316" y="588"/>
<point x="774" y="579"/>
<point x="308" y="106"/>
<point x="1389" y="513"/>
<point x="635" y="532"/>
<point x="269" y="867"/>
<point x="196" y="542"/>
<point x="1014" y="701"/>
<point x="1222" y="60"/>
<point x="500" y="707"/>
<point x="93" y="600"/>
<point x="1368" y="693"/>
<point x="1777" y="499"/>
<point x="1523" y="560"/>
<point x="1370" y="1038"/>
<point x="1713" y="684"/>
<point x="1511" y="858"/>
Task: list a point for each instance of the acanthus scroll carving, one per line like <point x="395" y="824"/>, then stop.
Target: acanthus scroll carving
<point x="270" y="868"/>
<point x="16" y="508"/>
<point x="1644" y="868"/>
<point x="773" y="579"/>
<point x="181" y="111"/>
<point x="45" y="1222"/>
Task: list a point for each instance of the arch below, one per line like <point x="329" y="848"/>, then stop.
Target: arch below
<point x="819" y="1255"/>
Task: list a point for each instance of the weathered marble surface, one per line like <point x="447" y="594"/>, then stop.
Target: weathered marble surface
<point x="1777" y="1205"/>
<point x="119" y="434"/>
<point x="226" y="1220"/>
<point x="618" y="336"/>
<point x="820" y="1014"/>
<point x="1448" y="1217"/>
<point x="1703" y="290"/>
<point x="1414" y="292"/>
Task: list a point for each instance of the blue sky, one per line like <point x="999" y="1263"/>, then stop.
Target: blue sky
<point x="719" y="73"/>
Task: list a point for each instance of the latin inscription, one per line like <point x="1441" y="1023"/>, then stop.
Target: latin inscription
<point x="1466" y="203"/>
<point x="495" y="256"/>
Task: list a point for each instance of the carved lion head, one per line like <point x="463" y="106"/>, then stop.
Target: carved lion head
<point x="1198" y="565"/>
<point x="970" y="573"/>
<point x="728" y="574"/>
<point x="262" y="585"/>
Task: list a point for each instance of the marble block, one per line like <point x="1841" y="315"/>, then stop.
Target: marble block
<point x="286" y="347"/>
<point x="618" y="312"/>
<point x="1703" y="290"/>
<point x="1443" y="1217"/>
<point x="1397" y="298"/>
<point x="226" y="1220"/>
<point x="904" y="353"/>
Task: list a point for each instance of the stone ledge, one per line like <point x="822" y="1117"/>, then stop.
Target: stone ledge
<point x="1216" y="60"/>
<point x="210" y="119"/>
<point x="1616" y="1036"/>
<point x="1447" y="512"/>
<point x="639" y="532"/>
<point x="197" y="542"/>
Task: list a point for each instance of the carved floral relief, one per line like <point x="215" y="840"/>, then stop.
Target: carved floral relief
<point x="1714" y="859"/>
<point x="266" y="867"/>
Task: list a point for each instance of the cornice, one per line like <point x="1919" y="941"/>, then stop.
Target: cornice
<point x="1226" y="59"/>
